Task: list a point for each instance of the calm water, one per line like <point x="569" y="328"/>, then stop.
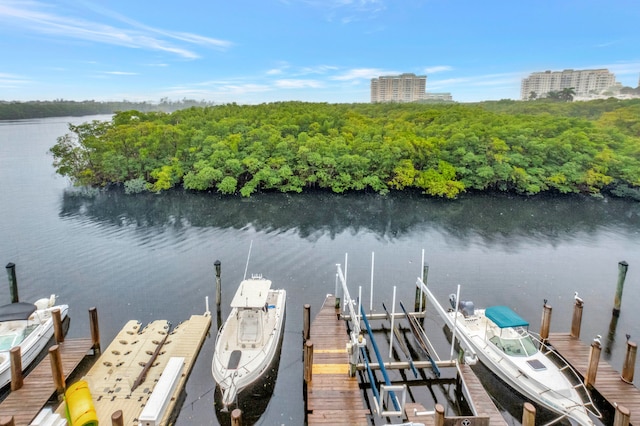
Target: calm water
<point x="150" y="257"/>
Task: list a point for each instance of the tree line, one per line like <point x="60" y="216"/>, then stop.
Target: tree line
<point x="15" y="110"/>
<point x="440" y="150"/>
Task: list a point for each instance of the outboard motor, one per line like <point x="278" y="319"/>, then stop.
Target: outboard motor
<point x="467" y="308"/>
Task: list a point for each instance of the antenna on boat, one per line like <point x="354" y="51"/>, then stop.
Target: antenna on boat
<point x="247" y="265"/>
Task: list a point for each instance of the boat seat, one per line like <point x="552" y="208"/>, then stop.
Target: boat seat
<point x="249" y="329"/>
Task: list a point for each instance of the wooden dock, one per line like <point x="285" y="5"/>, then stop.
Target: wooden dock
<point x="332" y="396"/>
<point x="608" y="382"/>
<point x="25" y="403"/>
<point x="480" y="401"/>
<point x="113" y="375"/>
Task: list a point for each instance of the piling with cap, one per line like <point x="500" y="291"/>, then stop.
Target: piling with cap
<point x="592" y="366"/>
<point x="236" y="417"/>
<point x="628" y="368"/>
<point x="57" y="371"/>
<point x="308" y="361"/>
<point x="576" y="322"/>
<point x="13" y="282"/>
<point x="57" y="325"/>
<point x="7" y="421"/>
<point x="546" y="322"/>
<point x="622" y="416"/>
<point x="439" y="417"/>
<point x="117" y="418"/>
<point x="528" y="414"/>
<point x="17" y="379"/>
<point x="622" y="273"/>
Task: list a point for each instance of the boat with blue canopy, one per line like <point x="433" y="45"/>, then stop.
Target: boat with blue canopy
<point x="501" y="340"/>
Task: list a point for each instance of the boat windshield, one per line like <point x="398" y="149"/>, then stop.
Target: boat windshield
<point x="517" y="343"/>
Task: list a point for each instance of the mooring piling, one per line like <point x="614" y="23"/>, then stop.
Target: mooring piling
<point x="622" y="416"/>
<point x="592" y="366"/>
<point x="576" y="322"/>
<point x="56" y="371"/>
<point x="95" y="330"/>
<point x="528" y="414"/>
<point x="117" y="418"/>
<point x="218" y="268"/>
<point x="546" y="322"/>
<point x="13" y="282"/>
<point x="628" y="368"/>
<point x="421" y="297"/>
<point x="17" y="378"/>
<point x="623" y="266"/>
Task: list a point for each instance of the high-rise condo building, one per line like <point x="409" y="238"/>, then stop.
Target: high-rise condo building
<point x="398" y="88"/>
<point x="585" y="83"/>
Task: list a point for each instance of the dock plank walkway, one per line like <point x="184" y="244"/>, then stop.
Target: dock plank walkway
<point x="25" y="403"/>
<point x="608" y="382"/>
<point x="332" y="396"/>
<point x="480" y="400"/>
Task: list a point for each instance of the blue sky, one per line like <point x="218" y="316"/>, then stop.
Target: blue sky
<point x="255" y="51"/>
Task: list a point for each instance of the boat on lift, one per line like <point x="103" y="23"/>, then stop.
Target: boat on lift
<point x="249" y="339"/>
<point x="28" y="326"/>
<point x="503" y="343"/>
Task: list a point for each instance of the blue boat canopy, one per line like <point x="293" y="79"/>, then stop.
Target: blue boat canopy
<point x="504" y="317"/>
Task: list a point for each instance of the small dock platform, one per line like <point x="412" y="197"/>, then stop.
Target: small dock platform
<point x="332" y="396"/>
<point x="480" y="401"/>
<point x="38" y="386"/>
<point x="608" y="382"/>
<point x="129" y="358"/>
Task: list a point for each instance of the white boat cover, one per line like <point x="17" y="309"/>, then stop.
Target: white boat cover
<point x="251" y="293"/>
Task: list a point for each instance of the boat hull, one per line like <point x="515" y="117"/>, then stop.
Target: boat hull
<point x="547" y="385"/>
<point x="243" y="356"/>
<point x="34" y="344"/>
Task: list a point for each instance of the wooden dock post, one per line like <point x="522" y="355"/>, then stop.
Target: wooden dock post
<point x="308" y="361"/>
<point x="622" y="273"/>
<point x="218" y="267"/>
<point x="95" y="330"/>
<point x="13" y="283"/>
<point x="439" y="416"/>
<point x="57" y="371"/>
<point x="57" y="325"/>
<point x="628" y="368"/>
<point x="622" y="416"/>
<point x="528" y="414"/>
<point x="576" y="322"/>
<point x="236" y="417"/>
<point x="592" y="366"/>
<point x="546" y="322"/>
<point x="117" y="418"/>
<point x="306" y="323"/>
<point x="421" y="298"/>
<point x="17" y="379"/>
<point x="7" y="421"/>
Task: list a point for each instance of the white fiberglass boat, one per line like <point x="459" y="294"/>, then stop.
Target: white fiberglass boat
<point x="249" y="339"/>
<point x="28" y="325"/>
<point x="503" y="343"/>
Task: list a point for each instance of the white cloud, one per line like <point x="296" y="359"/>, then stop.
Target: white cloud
<point x="297" y="84"/>
<point x="36" y="17"/>
<point x="437" y="69"/>
<point x="361" y="74"/>
<point x="120" y="73"/>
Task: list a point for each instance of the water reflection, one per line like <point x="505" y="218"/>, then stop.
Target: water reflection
<point x="492" y="220"/>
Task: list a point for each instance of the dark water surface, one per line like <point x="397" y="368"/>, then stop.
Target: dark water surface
<point x="149" y="256"/>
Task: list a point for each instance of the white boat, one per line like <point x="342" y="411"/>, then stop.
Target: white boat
<point x="28" y="325"/>
<point x="502" y="342"/>
<point x="249" y="339"/>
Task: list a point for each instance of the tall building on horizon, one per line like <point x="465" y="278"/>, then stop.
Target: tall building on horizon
<point x="406" y="87"/>
<point x="585" y="83"/>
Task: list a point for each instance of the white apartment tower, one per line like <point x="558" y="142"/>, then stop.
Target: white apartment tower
<point x="398" y="88"/>
<point x="584" y="82"/>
